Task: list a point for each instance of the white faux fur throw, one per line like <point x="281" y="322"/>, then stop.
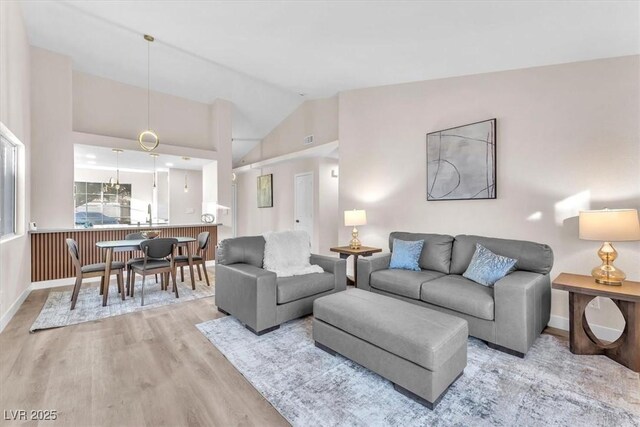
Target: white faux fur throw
<point x="287" y="253"/>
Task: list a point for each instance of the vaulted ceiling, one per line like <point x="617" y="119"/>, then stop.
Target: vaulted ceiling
<point x="262" y="55"/>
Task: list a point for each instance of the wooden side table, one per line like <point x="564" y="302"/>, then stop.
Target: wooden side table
<point x="345" y="252"/>
<point x="582" y="289"/>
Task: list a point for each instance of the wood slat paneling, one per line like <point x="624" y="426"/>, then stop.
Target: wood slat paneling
<point x="50" y="258"/>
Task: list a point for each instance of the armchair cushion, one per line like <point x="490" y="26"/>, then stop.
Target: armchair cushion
<point x="302" y="286"/>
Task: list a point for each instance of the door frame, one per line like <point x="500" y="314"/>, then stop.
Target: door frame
<point x="295" y="204"/>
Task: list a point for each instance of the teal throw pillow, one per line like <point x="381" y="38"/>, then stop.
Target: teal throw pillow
<point x="487" y="268"/>
<point x="405" y="255"/>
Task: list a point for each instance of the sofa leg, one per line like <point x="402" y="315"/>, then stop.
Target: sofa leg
<point x="325" y="348"/>
<point x="264" y="331"/>
<point x="504" y="349"/>
<point x="222" y="311"/>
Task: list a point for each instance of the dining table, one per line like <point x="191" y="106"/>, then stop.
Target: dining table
<point x="111" y="246"/>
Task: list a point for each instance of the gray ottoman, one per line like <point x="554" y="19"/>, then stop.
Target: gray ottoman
<point x="422" y="351"/>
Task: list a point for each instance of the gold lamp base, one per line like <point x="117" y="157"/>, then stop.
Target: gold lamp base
<point x="606" y="273"/>
<point x="354" y="243"/>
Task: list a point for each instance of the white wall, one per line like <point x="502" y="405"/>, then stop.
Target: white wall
<point x="318" y="117"/>
<point x="15" y="254"/>
<point x="253" y="220"/>
<point x="185" y="208"/>
<point x="567" y="139"/>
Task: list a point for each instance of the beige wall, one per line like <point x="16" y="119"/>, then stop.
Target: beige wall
<point x="106" y="107"/>
<point x="73" y="108"/>
<point x="15" y="257"/>
<point x="315" y="117"/>
<point x="567" y="139"/>
<point x="185" y="208"/>
<point x="253" y="220"/>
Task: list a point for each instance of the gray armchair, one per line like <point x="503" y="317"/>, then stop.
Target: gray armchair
<point x="259" y="299"/>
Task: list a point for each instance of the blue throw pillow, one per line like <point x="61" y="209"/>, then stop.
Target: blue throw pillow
<point x="487" y="268"/>
<point x="405" y="255"/>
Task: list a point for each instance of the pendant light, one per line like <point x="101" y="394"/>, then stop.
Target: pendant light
<point x="117" y="183"/>
<point x="186" y="185"/>
<point x="154" y="155"/>
<point x="148" y="139"/>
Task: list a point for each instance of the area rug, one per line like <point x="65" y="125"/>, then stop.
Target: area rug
<point x="56" y="310"/>
<point x="550" y="386"/>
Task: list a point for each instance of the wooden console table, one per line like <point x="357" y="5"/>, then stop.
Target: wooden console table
<point x="346" y="251"/>
<point x="582" y="289"/>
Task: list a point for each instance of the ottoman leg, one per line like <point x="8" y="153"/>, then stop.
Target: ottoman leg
<point x="421" y="400"/>
<point x="325" y="348"/>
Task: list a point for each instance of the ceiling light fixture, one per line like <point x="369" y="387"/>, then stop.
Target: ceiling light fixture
<point x="186" y="185"/>
<point x="154" y="155"/>
<point x="117" y="183"/>
<point x="148" y="139"/>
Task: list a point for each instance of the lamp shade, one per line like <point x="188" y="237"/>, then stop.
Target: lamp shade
<point x="355" y="217"/>
<point x="609" y="225"/>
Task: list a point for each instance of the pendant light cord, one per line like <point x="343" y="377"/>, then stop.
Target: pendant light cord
<point x="148" y="82"/>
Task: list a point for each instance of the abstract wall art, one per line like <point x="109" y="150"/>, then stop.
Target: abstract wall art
<point x="461" y="162"/>
<point x="265" y="191"/>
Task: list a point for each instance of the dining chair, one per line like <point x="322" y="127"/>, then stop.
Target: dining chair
<point x="92" y="270"/>
<point x="155" y="261"/>
<point x="199" y="259"/>
<point x="134" y="236"/>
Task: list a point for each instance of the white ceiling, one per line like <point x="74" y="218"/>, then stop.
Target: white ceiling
<point x="261" y="55"/>
<point x="93" y="157"/>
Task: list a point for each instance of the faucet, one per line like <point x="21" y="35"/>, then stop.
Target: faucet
<point x="150" y="219"/>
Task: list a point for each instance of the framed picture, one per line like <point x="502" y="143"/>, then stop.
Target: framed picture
<point x="265" y="191"/>
<point x="461" y="162"/>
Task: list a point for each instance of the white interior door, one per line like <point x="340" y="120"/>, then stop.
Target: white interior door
<point x="303" y="206"/>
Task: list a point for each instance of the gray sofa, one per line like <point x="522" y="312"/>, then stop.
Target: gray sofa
<point x="259" y="299"/>
<point x="509" y="316"/>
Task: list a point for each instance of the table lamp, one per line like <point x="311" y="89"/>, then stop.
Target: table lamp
<point x="354" y="218"/>
<point x="609" y="225"/>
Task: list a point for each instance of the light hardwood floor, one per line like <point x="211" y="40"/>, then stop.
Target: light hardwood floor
<point x="151" y="368"/>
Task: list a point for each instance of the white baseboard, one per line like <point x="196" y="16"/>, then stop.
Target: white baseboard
<point x="602" y="332"/>
<point x="4" y="321"/>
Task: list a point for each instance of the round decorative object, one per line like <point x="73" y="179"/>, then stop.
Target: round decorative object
<point x="208" y="218"/>
<point x="148" y="146"/>
<point x="151" y="234"/>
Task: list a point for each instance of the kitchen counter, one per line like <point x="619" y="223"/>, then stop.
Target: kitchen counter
<point x="50" y="258"/>
<point x="129" y="227"/>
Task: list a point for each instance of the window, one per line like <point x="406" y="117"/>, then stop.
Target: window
<point x="8" y="185"/>
<point x="100" y="203"/>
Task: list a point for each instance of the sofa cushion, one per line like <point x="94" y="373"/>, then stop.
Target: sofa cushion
<point x="531" y="256"/>
<point x="402" y="282"/>
<point x="459" y="294"/>
<point x="406" y="255"/>
<point x="302" y="286"/>
<point x="486" y="268"/>
<point x="436" y="252"/>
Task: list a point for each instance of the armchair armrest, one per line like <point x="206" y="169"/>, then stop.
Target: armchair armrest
<point x="248" y="293"/>
<point x="367" y="265"/>
<point x="522" y="309"/>
<point x="333" y="265"/>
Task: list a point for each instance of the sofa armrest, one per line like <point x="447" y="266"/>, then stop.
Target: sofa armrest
<point x="522" y="309"/>
<point x="333" y="265"/>
<point x="367" y="265"/>
<point x="248" y="293"/>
